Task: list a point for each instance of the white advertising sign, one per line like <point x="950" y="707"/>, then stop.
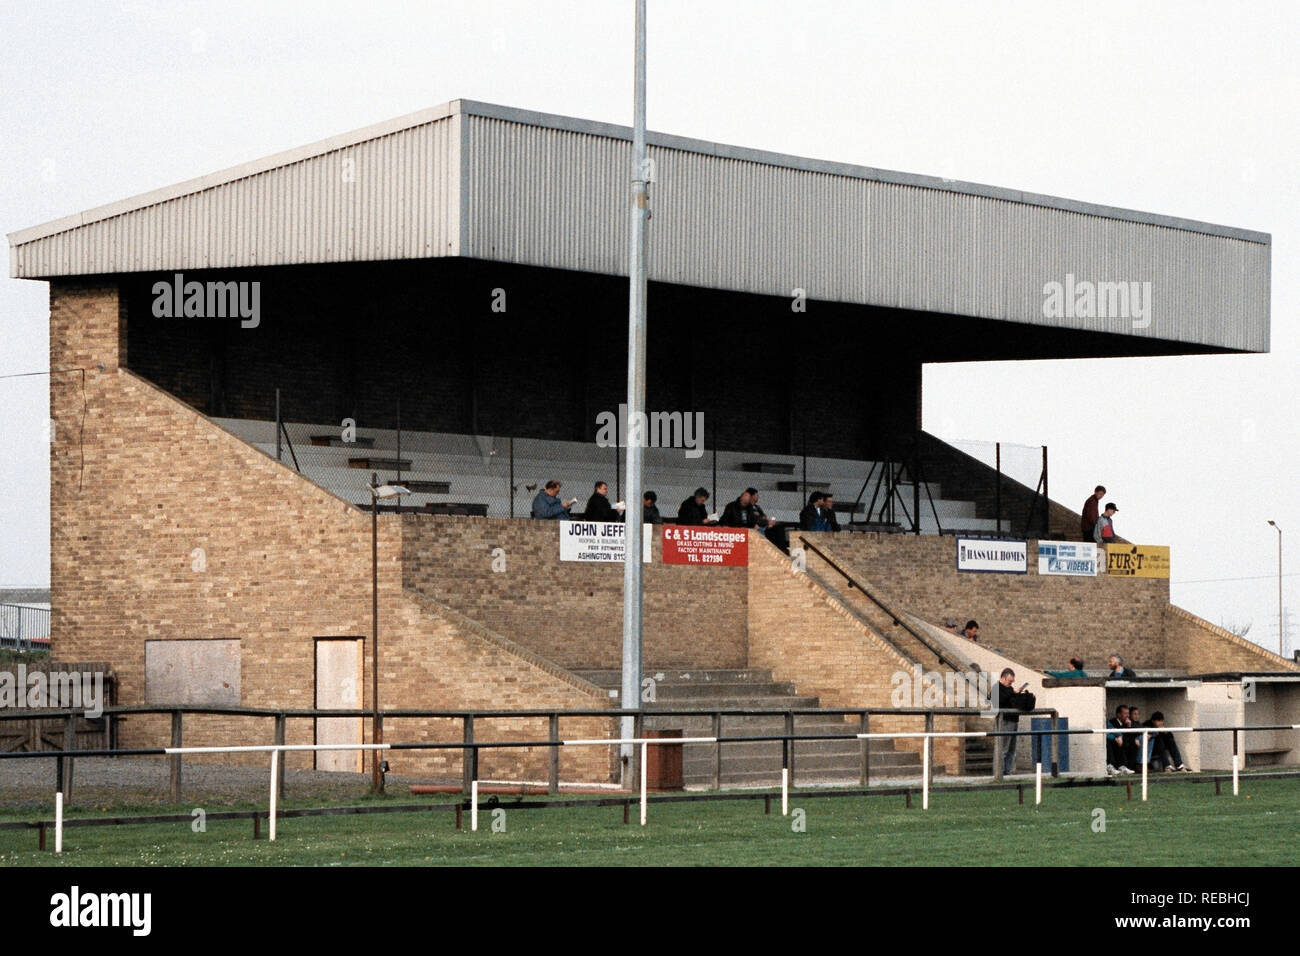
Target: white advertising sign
<point x="599" y="542"/>
<point x="1067" y="557"/>
<point x="980" y="554"/>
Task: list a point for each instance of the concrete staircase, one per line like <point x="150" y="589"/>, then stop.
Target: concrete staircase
<point x="758" y="764"/>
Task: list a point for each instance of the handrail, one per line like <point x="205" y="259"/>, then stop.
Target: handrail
<point x="898" y="621"/>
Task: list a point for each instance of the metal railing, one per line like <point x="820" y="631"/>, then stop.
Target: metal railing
<point x="787" y="741"/>
<point x="21" y="625"/>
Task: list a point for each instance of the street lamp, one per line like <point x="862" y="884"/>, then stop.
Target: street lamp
<point x="377" y="491"/>
<point x="1280" y="649"/>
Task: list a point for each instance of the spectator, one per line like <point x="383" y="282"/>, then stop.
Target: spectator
<point x="693" y="511"/>
<point x="547" y="504"/>
<point x="1104" y="532"/>
<point x="1116" y="744"/>
<point x="828" y="512"/>
<point x="951" y="625"/>
<point x="738" y="513"/>
<point x="971" y="632"/>
<point x="1075" y="672"/>
<point x="1014" y="700"/>
<point x="598" y="506"/>
<point x="811" y="518"/>
<point x="1164" y="750"/>
<point x="1117" y="669"/>
<point x="761" y="520"/>
<point x="1090" y="507"/>
<point x="1133" y="755"/>
<point x="650" y="510"/>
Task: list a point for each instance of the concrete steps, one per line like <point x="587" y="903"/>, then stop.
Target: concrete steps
<point x="757" y="763"/>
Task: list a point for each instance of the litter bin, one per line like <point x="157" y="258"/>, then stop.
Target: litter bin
<point x="1041" y="746"/>
<point x="663" y="762"/>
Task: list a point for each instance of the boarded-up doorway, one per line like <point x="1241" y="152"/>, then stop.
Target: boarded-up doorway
<point x="339" y="675"/>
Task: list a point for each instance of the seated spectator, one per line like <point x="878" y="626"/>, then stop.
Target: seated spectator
<point x="693" y="511"/>
<point x="598" y="506"/>
<point x="971" y="632"/>
<point x="1164" y="753"/>
<point x="738" y="513"/>
<point x="1116" y="744"/>
<point x="547" y="504"/>
<point x="1076" y="671"/>
<point x="950" y="624"/>
<point x="775" y="533"/>
<point x="650" y="510"/>
<point x="828" y="512"/>
<point x="1117" y="669"/>
<point x="1133" y="742"/>
<point x="812" y="518"/>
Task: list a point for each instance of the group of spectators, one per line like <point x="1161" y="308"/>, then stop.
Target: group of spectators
<point x="743" y="512"/>
<point x="1124" y="750"/>
<point x="1098" y="523"/>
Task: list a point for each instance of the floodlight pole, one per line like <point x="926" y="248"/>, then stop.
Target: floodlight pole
<point x="376" y="730"/>
<point x="632" y="514"/>
<point x="1281" y="647"/>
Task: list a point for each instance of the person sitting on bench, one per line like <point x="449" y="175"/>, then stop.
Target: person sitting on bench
<point x="1164" y="750"/>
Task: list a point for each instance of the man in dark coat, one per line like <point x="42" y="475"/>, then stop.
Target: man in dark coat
<point x="693" y="510"/>
<point x="649" y="509"/>
<point x="1090" y="512"/>
<point x="598" y="506"/>
<point x="1013" y="700"/>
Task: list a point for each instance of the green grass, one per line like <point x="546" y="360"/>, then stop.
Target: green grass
<point x="1184" y="823"/>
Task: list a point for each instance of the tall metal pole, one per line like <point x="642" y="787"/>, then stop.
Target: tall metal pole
<point x="1281" y="647"/>
<point x="376" y="734"/>
<point x="632" y="571"/>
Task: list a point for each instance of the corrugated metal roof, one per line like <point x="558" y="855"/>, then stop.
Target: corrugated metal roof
<point x="509" y="185"/>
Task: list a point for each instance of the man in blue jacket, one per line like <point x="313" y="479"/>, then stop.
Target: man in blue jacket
<point x="547" y="504"/>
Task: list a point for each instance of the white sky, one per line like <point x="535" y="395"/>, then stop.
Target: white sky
<point x="1186" y="109"/>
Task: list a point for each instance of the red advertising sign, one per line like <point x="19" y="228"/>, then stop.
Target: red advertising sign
<point x="702" y="545"/>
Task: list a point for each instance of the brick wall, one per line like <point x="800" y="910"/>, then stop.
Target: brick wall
<point x="570" y="612"/>
<point x="165" y="527"/>
<point x="1204" y="648"/>
<point x="802" y="635"/>
<point x="1040" y="620"/>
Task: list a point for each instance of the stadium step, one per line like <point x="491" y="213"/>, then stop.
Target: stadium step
<point x="757" y="763"/>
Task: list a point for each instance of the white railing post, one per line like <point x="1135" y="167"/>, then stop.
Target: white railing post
<point x="643" y="768"/>
<point x="473" y="805"/>
<point x="1038" y="783"/>
<point x="925" y="772"/>
<point x="58" y="821"/>
<point x="275" y="791"/>
<point x="1145" y="764"/>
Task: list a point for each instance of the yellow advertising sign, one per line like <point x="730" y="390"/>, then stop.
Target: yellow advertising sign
<point x="1137" y="560"/>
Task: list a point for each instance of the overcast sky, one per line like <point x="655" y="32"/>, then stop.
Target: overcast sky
<point x="1185" y="109"/>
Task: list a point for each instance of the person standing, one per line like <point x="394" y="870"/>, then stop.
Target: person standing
<point x="1118" y="670"/>
<point x="1010" y="699"/>
<point x="1089" y="521"/>
<point x="1104" y="530"/>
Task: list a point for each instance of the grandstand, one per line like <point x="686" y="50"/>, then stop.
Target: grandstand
<point x="439" y="301"/>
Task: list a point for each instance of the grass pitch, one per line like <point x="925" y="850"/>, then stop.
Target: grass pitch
<point x="1183" y="824"/>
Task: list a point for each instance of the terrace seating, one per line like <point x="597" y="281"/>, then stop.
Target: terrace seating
<point x="452" y="472"/>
